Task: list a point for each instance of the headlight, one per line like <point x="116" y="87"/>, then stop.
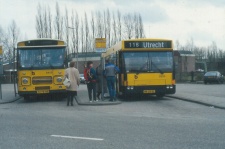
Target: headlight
<point x="128" y="87"/>
<point x="25" y="80"/>
<point x="59" y="79"/>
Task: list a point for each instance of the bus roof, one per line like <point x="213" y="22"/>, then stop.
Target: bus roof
<point x="41" y="42"/>
<point x="142" y="44"/>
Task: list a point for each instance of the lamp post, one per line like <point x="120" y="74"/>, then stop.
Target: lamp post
<point x="77" y="49"/>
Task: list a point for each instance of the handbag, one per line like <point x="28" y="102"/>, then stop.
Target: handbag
<point x="66" y="82"/>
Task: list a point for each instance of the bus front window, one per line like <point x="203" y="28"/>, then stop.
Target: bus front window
<point x="148" y="61"/>
<point x="41" y="58"/>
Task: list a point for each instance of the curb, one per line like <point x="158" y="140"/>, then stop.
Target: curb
<point x="198" y="102"/>
<point x="13" y="100"/>
<point x="99" y="103"/>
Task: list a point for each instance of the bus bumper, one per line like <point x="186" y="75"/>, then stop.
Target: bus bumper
<point x="154" y="90"/>
<point x="22" y="93"/>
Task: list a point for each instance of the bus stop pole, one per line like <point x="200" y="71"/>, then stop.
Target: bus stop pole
<point x="1" y="89"/>
<point x="15" y="73"/>
<point x="102" y="78"/>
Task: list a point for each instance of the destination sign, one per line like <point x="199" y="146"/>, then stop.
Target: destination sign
<point x="147" y="44"/>
<point x="41" y="42"/>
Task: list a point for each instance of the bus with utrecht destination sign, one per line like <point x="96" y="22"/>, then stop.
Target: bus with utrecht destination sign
<point x="147" y="66"/>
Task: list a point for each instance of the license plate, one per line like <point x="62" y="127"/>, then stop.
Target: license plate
<point x="149" y="91"/>
<point x="43" y="91"/>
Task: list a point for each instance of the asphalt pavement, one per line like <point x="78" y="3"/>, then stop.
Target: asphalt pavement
<point x="209" y="95"/>
<point x="137" y="123"/>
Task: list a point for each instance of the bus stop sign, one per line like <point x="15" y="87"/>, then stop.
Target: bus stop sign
<point x="100" y="45"/>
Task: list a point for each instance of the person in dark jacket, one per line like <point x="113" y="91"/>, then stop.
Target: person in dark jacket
<point x="90" y="77"/>
<point x="100" y="77"/>
<point x="110" y="72"/>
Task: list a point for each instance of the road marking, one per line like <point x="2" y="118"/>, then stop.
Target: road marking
<point x="74" y="137"/>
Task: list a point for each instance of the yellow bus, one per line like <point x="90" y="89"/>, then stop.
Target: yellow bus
<point x="146" y="65"/>
<point x="40" y="67"/>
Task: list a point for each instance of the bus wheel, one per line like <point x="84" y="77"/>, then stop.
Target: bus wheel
<point x="160" y="95"/>
<point x="26" y="97"/>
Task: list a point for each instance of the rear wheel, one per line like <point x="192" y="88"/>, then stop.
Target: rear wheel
<point x="205" y="82"/>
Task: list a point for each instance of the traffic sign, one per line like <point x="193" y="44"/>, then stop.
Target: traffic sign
<point x="100" y="45"/>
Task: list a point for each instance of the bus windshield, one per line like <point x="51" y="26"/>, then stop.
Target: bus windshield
<point x="148" y="61"/>
<point x="40" y="58"/>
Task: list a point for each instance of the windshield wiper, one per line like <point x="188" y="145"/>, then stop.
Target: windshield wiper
<point x="157" y="67"/>
<point x="140" y="70"/>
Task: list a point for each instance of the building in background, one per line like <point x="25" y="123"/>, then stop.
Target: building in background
<point x="185" y="64"/>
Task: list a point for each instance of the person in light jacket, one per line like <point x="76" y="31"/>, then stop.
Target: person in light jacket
<point x="73" y="75"/>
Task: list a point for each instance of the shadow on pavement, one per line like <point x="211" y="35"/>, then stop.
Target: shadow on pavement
<point x="43" y="98"/>
<point x="136" y="98"/>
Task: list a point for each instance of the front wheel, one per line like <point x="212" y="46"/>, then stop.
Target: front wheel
<point x="205" y="82"/>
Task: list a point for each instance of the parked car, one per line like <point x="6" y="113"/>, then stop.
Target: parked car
<point x="213" y="77"/>
<point x="82" y="80"/>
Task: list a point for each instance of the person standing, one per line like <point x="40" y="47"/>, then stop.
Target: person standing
<point x="90" y="77"/>
<point x="73" y="75"/>
<point x="110" y="72"/>
<point x="100" y="78"/>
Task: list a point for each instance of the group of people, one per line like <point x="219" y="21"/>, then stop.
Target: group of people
<point x="94" y="80"/>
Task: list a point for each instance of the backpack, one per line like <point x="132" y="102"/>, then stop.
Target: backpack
<point x="87" y="74"/>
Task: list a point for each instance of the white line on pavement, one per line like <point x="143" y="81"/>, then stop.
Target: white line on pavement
<point x="74" y="137"/>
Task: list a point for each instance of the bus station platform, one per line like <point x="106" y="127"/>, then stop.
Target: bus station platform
<point x="8" y="96"/>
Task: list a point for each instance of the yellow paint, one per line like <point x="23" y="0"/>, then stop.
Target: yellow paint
<point x="100" y="43"/>
<point x="21" y="44"/>
<point x="43" y="75"/>
<point x="1" y="51"/>
<point x="148" y="79"/>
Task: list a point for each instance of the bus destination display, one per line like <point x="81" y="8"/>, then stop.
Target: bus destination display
<point x="147" y="44"/>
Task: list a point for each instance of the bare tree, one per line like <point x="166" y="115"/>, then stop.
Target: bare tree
<point x="66" y="29"/>
<point x="141" y="28"/>
<point x="10" y="41"/>
<point x="93" y="30"/>
<point x="128" y="26"/>
<point x="43" y="22"/>
<point x="49" y="22"/>
<point x="58" y="23"/>
<point x="136" y="26"/>
<point x="73" y="34"/>
<point x="99" y="24"/>
<point x="77" y="32"/>
<point x="39" y="22"/>
<point x="82" y="36"/>
<point x="114" y="29"/>
<point x="119" y="25"/>
<point x="86" y="31"/>
<point x="108" y="29"/>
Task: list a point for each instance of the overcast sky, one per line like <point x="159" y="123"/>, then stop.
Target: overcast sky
<point x="202" y="20"/>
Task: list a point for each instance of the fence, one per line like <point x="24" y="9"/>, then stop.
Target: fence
<point x="189" y="76"/>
